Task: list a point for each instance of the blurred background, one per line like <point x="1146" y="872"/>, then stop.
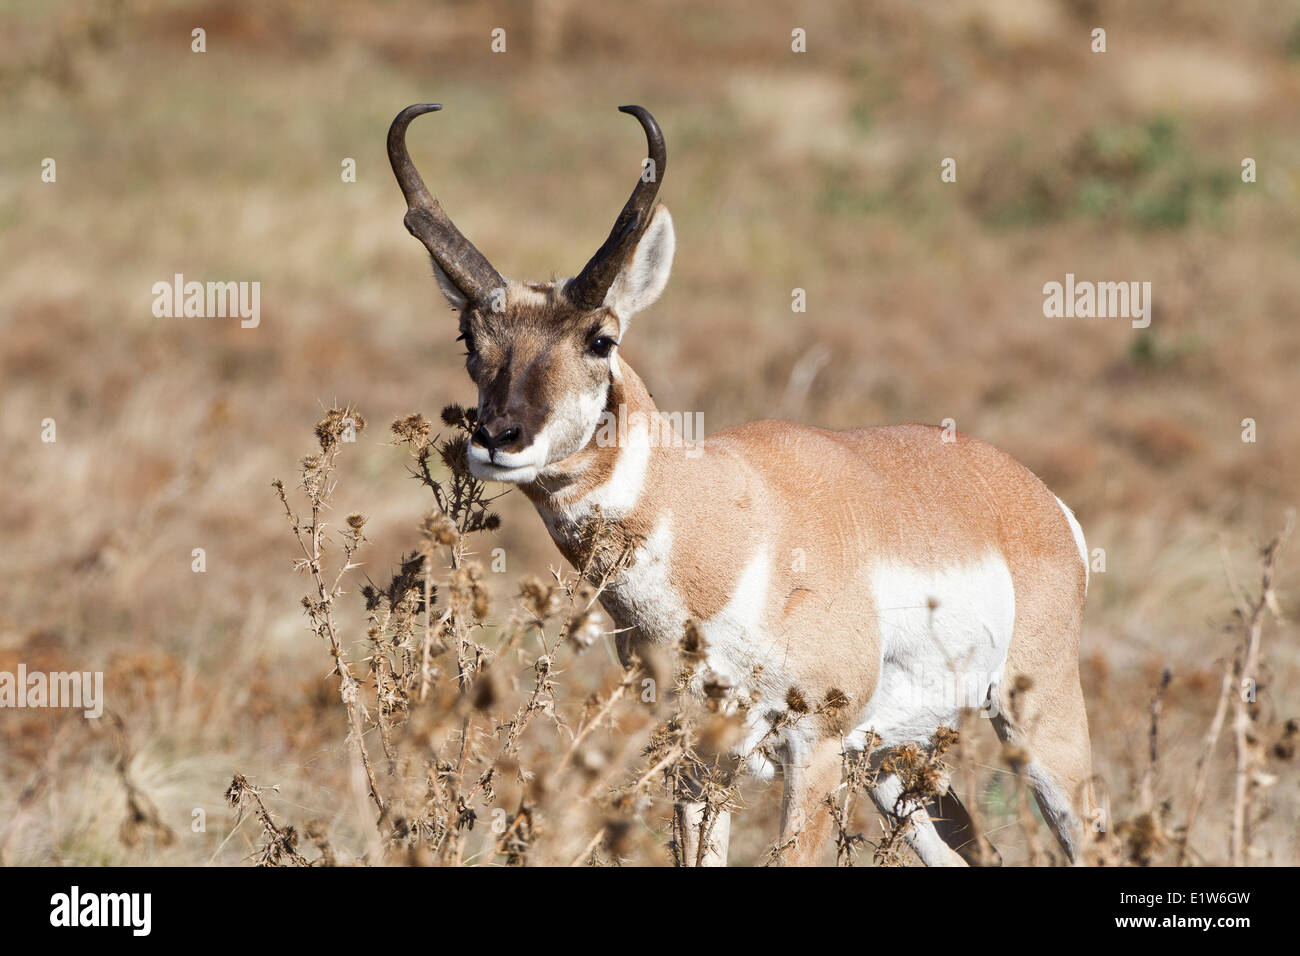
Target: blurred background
<point x="817" y="170"/>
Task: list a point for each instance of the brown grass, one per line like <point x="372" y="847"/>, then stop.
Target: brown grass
<point x="819" y="172"/>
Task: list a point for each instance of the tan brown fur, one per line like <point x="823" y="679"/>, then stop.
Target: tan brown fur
<point x="776" y="538"/>
<point x="850" y="499"/>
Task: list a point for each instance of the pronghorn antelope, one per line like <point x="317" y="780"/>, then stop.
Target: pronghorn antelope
<point x="922" y="555"/>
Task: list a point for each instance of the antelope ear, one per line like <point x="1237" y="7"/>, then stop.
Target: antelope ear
<point x="644" y="275"/>
<point x="456" y="297"/>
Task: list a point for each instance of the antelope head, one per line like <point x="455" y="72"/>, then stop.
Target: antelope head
<point x="543" y="355"/>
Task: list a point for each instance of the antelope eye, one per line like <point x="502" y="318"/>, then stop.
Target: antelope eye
<point x="601" y="346"/>
<point x="468" y="339"/>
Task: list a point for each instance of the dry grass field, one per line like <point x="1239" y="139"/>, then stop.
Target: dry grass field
<point x="817" y="170"/>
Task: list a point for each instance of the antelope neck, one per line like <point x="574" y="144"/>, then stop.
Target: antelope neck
<point x="608" y="476"/>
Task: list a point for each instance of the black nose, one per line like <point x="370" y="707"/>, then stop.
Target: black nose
<point x="499" y="440"/>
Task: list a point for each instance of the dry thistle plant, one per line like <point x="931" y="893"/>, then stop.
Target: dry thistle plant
<point x="859" y="777"/>
<point x="450" y="697"/>
<point x="702" y="748"/>
<point x="924" y="775"/>
<point x="279" y="846"/>
<point x="1244" y="672"/>
<point x="484" y="736"/>
<point x="143" y="823"/>
<point x="339" y="427"/>
<point x="1260" y="744"/>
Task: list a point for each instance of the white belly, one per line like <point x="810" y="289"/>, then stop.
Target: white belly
<point x="944" y="637"/>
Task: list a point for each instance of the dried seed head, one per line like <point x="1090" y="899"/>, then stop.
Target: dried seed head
<point x="454" y="453"/>
<point x="237" y="789"/>
<point x="541" y="599"/>
<point x="835" y="701"/>
<point x="944" y="739"/>
<point x="586" y="627"/>
<point x="617" y="834"/>
<point x="480" y="594"/>
<point x="795" y="701"/>
<point x="1285" y="747"/>
<point x="339" y="424"/>
<point x="692" y="643"/>
<point x="440" y="529"/>
<point x="717" y="689"/>
<point x="371" y="595"/>
<point x="457" y="416"/>
<point x="413" y="429"/>
<point x="485" y="692"/>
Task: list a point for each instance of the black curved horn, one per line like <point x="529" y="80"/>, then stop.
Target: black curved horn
<point x="587" y="290"/>
<point x="466" y="267"/>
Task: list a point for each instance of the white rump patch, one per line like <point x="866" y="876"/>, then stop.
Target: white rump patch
<point x="944" y="637"/>
<point x="1078" y="540"/>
